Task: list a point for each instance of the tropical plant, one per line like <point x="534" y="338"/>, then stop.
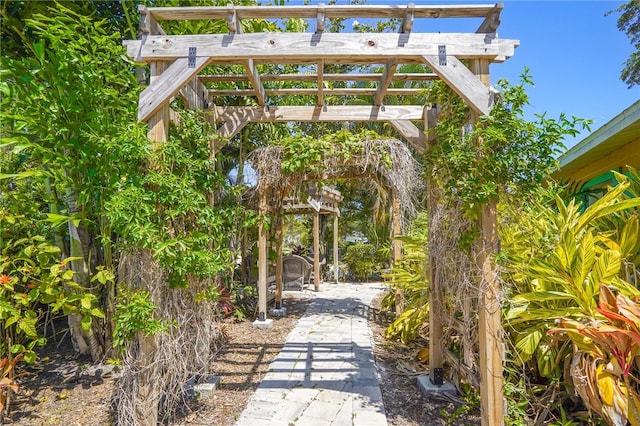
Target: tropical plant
<point x="67" y="109"/>
<point x="557" y="258"/>
<point x="605" y="367"/>
<point x="501" y="153"/>
<point x="410" y="275"/>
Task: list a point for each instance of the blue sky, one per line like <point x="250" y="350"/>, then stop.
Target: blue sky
<point x="573" y="51"/>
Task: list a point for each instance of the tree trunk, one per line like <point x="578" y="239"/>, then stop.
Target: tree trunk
<point x="85" y="341"/>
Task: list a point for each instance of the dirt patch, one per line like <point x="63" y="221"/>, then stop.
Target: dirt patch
<point x="63" y="388"/>
<point x="404" y="403"/>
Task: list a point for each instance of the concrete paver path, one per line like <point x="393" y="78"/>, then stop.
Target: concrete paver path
<point x="325" y="373"/>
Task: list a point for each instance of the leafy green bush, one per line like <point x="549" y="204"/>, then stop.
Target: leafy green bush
<point x="33" y="281"/>
<point x="361" y="260"/>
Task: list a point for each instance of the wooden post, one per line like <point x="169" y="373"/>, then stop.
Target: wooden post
<point x="279" y="233"/>
<point x="489" y="315"/>
<point x="490" y="322"/>
<point x="436" y="313"/>
<point x="316" y="250"/>
<point x="396" y="245"/>
<point x="262" y="260"/>
<point x="335" y="247"/>
<point x="148" y="393"/>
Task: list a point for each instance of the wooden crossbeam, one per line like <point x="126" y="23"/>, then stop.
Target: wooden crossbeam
<point x="346" y="91"/>
<point x="235" y="27"/>
<point x="310" y="113"/>
<point x="314" y="77"/>
<point x="492" y="20"/>
<point x="194" y="94"/>
<point x="462" y="81"/>
<point x="148" y="24"/>
<point x="331" y="47"/>
<point x="320" y="15"/>
<point x="330" y="11"/>
<point x="407" y="19"/>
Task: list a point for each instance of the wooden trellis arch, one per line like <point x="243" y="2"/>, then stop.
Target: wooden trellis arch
<point x="178" y="63"/>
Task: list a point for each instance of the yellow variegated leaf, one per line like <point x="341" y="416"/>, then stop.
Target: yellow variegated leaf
<point x="630" y="237"/>
<point x="606" y="268"/>
<point x="606" y="385"/>
<point x="528" y="343"/>
<point x="585" y="259"/>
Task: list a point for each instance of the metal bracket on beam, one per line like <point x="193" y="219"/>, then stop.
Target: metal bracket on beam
<point x="320" y="18"/>
<point x="442" y="55"/>
<point x="192" y="58"/>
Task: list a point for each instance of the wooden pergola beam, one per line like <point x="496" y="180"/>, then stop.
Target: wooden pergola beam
<point x="330" y="47"/>
<point x="411" y="133"/>
<point x="311" y="77"/>
<point x="235" y="27"/>
<point x="329" y="11"/>
<point x="330" y="113"/>
<point x="320" y="83"/>
<point x="195" y="94"/>
<point x="492" y="20"/>
<point x="348" y="91"/>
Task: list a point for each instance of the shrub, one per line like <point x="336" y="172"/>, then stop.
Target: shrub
<point x="361" y="260"/>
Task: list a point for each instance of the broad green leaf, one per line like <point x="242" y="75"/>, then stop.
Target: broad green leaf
<point x="528" y="343"/>
<point x="86" y="323"/>
<point x="29" y="357"/>
<point x="542" y="296"/>
<point x="86" y="301"/>
<point x="17" y="348"/>
<point x="28" y="327"/>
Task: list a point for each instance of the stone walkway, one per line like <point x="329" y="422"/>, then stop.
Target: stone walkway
<point x="325" y="373"/>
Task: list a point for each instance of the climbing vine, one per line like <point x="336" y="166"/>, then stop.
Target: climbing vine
<point x="501" y="152"/>
<point x="303" y="152"/>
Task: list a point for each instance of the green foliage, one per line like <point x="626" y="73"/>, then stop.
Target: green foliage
<point x="305" y="153"/>
<point x="606" y="350"/>
<point x="629" y="23"/>
<point x="33" y="281"/>
<point x="361" y="260"/>
<point x="134" y="314"/>
<point x="556" y="255"/>
<point x="411" y="275"/>
<point x="558" y="258"/>
<point x="167" y="210"/>
<point x="500" y="152"/>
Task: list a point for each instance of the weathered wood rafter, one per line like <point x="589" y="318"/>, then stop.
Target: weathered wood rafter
<point x="354" y="48"/>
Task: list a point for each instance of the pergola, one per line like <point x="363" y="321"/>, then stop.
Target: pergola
<point x="179" y="64"/>
<point x="320" y="201"/>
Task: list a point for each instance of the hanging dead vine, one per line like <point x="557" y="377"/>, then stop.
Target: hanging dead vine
<point x="388" y="161"/>
<point x="157" y="366"/>
<point x="456" y="277"/>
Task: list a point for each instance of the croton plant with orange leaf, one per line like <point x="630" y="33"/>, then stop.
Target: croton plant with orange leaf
<point x="605" y="368"/>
